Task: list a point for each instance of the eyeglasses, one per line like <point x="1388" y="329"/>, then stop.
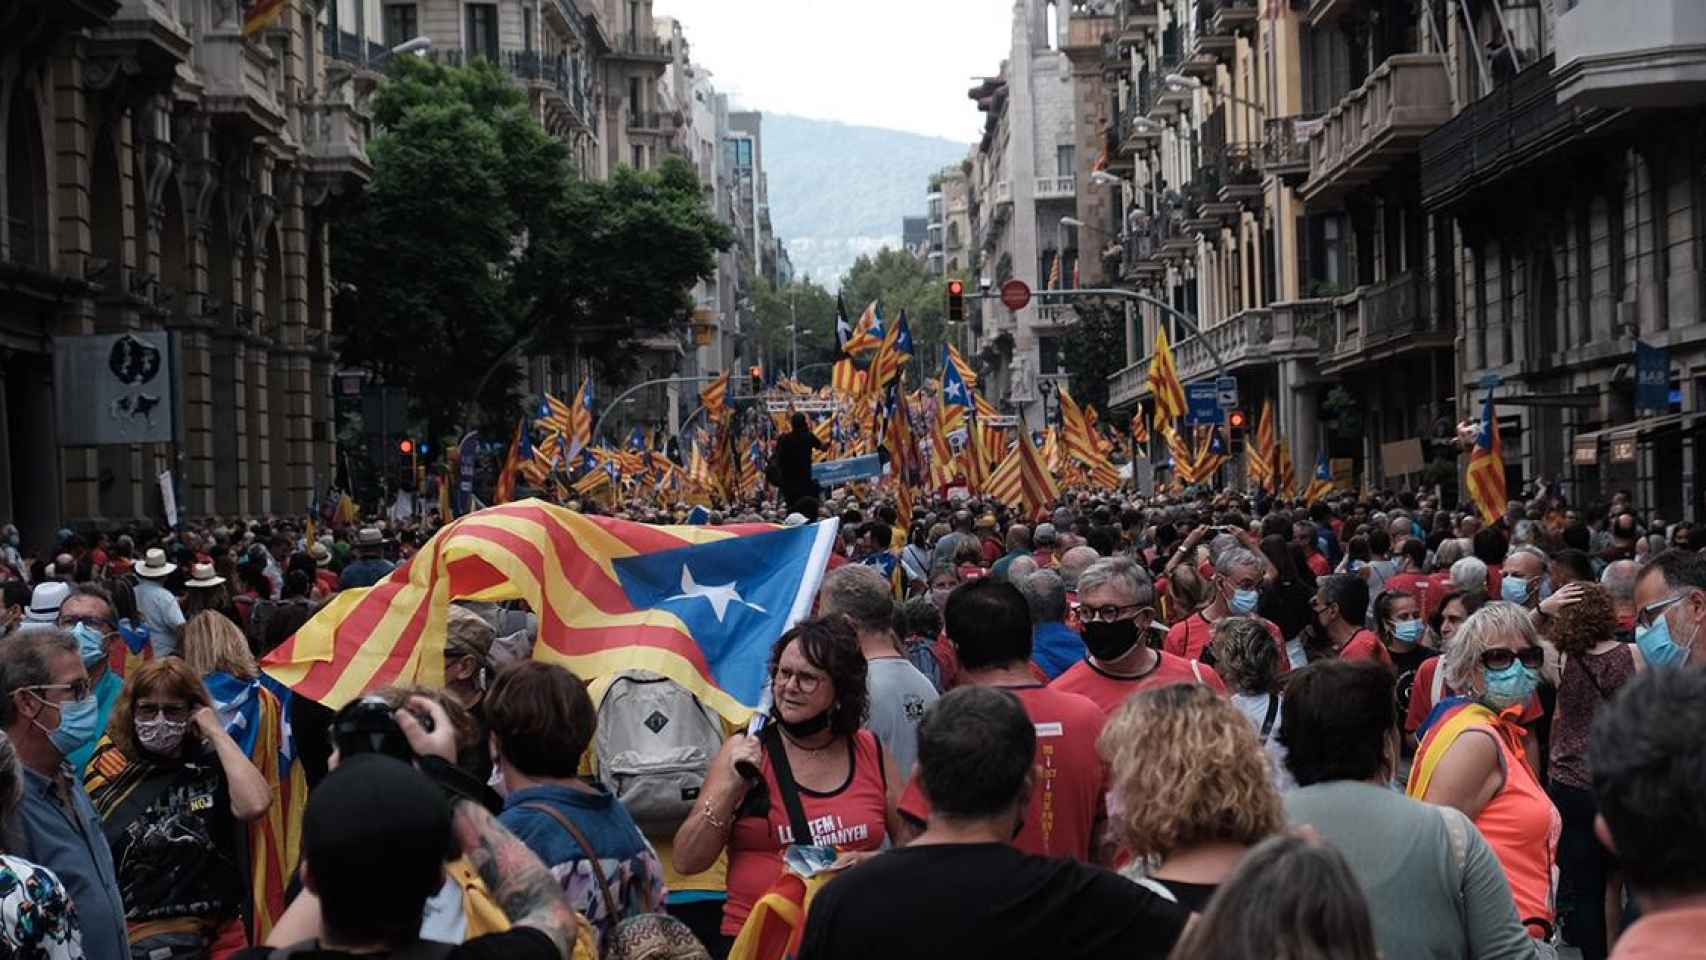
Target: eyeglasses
<point x="79" y="689"/>
<point x="806" y="682"/>
<point x="174" y="712"/>
<point x="1500" y="658"/>
<point x="105" y="625"/>
<point x="1652" y="611"/>
<point x="1110" y="612"/>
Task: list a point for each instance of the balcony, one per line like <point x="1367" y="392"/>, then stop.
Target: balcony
<point x="1168" y="100"/>
<point x="1610" y="58"/>
<point x="352" y="49"/>
<point x="1235" y="16"/>
<point x="1381" y="321"/>
<point x="1141" y="245"/>
<point x="1285" y="147"/>
<point x="238" y="77"/>
<point x="1500" y="134"/>
<point x="335" y="137"/>
<point x="1056" y="314"/>
<point x="1238" y="170"/>
<point x="1056" y="188"/>
<point x="1256" y="337"/>
<point x="1323" y="12"/>
<point x="1134" y="137"/>
<point x="1377" y="125"/>
<point x="1208" y="45"/>
<point x="144" y="33"/>
<point x="646" y="120"/>
<point x="1137" y="19"/>
<point x="634" y="46"/>
<point x="1003" y="193"/>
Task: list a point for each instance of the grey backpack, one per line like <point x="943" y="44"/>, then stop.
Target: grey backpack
<point x="655" y="744"/>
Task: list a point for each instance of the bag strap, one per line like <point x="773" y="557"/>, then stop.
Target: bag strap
<point x="785" y="782"/>
<point x="1273" y="711"/>
<point x="587" y="849"/>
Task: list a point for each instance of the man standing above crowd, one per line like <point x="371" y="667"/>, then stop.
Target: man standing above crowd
<point x="794" y="462"/>
<point x="1117" y="606"/>
<point x="899" y="693"/>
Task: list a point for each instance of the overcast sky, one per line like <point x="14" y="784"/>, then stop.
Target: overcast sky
<point x="902" y="64"/>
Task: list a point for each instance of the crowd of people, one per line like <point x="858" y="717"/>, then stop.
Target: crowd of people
<point x="1207" y="727"/>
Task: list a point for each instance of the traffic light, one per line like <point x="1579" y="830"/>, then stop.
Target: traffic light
<point x="1237" y="421"/>
<point x="406" y="446"/>
<point x="757" y="373"/>
<point x="956" y="301"/>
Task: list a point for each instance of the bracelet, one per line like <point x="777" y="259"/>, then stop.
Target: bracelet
<point x="712" y="818"/>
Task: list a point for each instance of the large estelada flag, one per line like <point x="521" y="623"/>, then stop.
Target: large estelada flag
<point x="700" y="605"/>
<point x="1486" y="478"/>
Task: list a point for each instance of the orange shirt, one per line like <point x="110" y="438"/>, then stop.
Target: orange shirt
<point x="1109" y="692"/>
<point x="1364" y="645"/>
<point x="1066" y="798"/>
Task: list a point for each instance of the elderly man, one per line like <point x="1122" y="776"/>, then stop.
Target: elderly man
<point x="1047" y="540"/>
<point x="1618" y="579"/>
<point x="949" y="544"/>
<point x="369" y="567"/>
<point x="1670" y="604"/>
<point x="1117" y="606"/>
<point x="1524" y="571"/>
<point x="1055" y="647"/>
<point x="156" y="604"/>
<point x="1073" y="563"/>
<point x="48" y="711"/>
<point x="87" y="615"/>
<point x="1469" y="574"/>
<point x="899" y="693"/>
<point x="1235" y="592"/>
<point x="1018" y="545"/>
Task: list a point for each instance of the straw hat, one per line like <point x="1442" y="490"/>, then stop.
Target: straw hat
<point x="154" y="564"/>
<point x="202" y="577"/>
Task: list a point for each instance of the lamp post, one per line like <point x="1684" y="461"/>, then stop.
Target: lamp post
<point x="1179" y="81"/>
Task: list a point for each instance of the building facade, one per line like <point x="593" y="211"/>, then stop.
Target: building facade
<point x="163" y="173"/>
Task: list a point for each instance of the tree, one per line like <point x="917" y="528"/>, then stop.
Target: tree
<point x="776" y="308"/>
<point x="1093" y="349"/>
<point x="899" y="281"/>
<point x="474" y="246"/>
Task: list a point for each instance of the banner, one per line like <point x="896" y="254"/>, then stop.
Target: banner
<point x="1652" y="379"/>
<point x="169" y="499"/>
<point x="832" y="472"/>
<point x="114" y="388"/>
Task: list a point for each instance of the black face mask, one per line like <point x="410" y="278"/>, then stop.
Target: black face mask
<point x="804" y="728"/>
<point x="1110" y="639"/>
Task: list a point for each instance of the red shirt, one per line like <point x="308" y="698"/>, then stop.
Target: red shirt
<point x="1066" y="799"/>
<point x="1318" y="564"/>
<point x="1495" y="576"/>
<point x="1190" y="637"/>
<point x="1438" y="586"/>
<point x="1364" y="645"/>
<point x="849" y="819"/>
<point x="1108" y="691"/>
<point x="1415" y="584"/>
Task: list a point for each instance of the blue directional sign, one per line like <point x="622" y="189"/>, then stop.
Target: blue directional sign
<point x="1202" y="402"/>
<point x="831" y="472"/>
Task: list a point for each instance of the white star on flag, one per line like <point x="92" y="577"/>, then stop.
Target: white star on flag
<point x="719" y="596"/>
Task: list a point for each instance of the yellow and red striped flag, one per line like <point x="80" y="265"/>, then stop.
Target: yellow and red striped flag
<point x="894" y="355"/>
<point x="1036" y="484"/>
<point x="1164" y="380"/>
<point x="1261" y="455"/>
<point x="580" y="418"/>
<point x="846" y="379"/>
<point x="1486" y="475"/>
<point x="1084" y="443"/>
<point x="505" y="491"/>
<point x="1004" y="484"/>
<point x="966" y="372"/>
<point x="867" y="332"/>
<point x="1287" y="485"/>
<point x="714" y="395"/>
<point x="556" y="416"/>
<point x="1140" y="426"/>
<point x="259" y="14"/>
<point x="700" y="605"/>
<point x="1054" y="274"/>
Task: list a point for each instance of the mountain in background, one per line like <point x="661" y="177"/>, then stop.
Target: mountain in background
<point x="838" y="191"/>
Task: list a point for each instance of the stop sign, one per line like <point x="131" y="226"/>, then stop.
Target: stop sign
<point x="1015" y="294"/>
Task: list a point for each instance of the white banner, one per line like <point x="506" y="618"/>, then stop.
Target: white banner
<point x="169" y="498"/>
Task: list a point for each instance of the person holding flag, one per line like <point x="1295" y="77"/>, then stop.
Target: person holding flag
<point x="792" y="462"/>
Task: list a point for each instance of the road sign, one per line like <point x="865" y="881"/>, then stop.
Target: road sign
<point x="831" y="472"/>
<point x="1015" y="294"/>
<point x="1226" y="392"/>
<point x="1200" y="402"/>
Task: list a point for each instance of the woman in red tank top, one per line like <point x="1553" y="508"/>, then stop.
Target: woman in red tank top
<point x="847" y="787"/>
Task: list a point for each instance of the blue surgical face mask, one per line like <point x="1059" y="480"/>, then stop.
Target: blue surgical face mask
<point x="1408" y="631"/>
<point x="1511" y="686"/>
<point x="91" y="644"/>
<point x="1658" y="647"/>
<point x="1243" y="602"/>
<point x="1513" y="589"/>
<point x="79" y="721"/>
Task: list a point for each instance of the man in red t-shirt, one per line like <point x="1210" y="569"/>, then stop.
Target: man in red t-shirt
<point x="1411" y="556"/>
<point x="990" y="626"/>
<point x="1341" y="608"/>
<point x="1235" y="582"/>
<point x="1116" y="604"/>
<point x="1305" y="536"/>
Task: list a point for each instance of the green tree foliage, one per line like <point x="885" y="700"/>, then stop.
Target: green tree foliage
<point x="900" y="281"/>
<point x="1094" y="349"/>
<point x="474" y="242"/>
<point x="775" y="309"/>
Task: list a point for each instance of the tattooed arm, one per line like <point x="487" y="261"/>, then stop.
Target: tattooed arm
<point x="524" y="890"/>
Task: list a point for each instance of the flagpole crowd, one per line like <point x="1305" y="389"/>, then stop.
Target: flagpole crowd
<point x="984" y="698"/>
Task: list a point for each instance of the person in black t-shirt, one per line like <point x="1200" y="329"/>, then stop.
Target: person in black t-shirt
<point x="960" y="889"/>
<point x="794" y="462"/>
<point x="374" y="841"/>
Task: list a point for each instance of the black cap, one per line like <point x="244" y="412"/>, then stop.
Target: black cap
<point x="376" y="821"/>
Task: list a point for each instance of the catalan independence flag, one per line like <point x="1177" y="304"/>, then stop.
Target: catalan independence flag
<point x="259" y="14"/>
<point x="1486" y="479"/>
<point x="714" y="395"/>
<point x="699" y="605"/>
<point x="1164" y="380"/>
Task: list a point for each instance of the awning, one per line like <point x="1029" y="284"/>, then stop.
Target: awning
<point x="1641" y="429"/>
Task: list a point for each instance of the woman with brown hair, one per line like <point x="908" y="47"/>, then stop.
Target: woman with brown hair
<point x="1595" y="666"/>
<point x="173" y="791"/>
<point x="1190" y="790"/>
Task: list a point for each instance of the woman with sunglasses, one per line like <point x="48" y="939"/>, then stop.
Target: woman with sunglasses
<point x="173" y="790"/>
<point x="1473" y="756"/>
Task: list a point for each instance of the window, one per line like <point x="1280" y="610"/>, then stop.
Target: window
<point x="1049" y="359"/>
<point x="639" y="157"/>
<point x="743" y="154"/>
<point x="527" y="29"/>
<point x="401" y="23"/>
<point x="634" y="18"/>
<point x="1065" y="160"/>
<point x="482" y="34"/>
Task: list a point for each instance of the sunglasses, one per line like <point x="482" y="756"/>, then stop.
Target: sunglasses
<point x="1500" y="658"/>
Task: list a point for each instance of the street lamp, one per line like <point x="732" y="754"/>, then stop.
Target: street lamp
<point x="1179" y="81"/>
<point x="412" y="45"/>
<point x="1103" y="178"/>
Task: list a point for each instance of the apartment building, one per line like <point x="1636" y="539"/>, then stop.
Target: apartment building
<point x="167" y="179"/>
<point x="1024" y="184"/>
<point x="1569" y="196"/>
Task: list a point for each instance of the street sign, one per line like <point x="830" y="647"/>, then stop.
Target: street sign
<point x="831" y="472"/>
<point x="1200" y="405"/>
<point x="1226" y="392"/>
<point x="1015" y="294"/>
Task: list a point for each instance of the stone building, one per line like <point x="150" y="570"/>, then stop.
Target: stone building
<point x="163" y="173"/>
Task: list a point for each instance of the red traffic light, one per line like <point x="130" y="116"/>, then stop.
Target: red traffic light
<point x="956" y="288"/>
<point x="1237" y="420"/>
<point x="406" y="446"/>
